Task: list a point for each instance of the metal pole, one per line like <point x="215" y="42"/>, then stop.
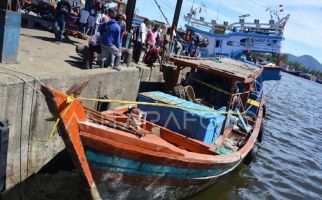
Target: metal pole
<point x="130" y="8"/>
<point x="177" y="13"/>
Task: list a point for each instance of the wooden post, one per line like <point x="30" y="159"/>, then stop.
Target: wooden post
<point x="246" y="95"/>
<point x="231" y="92"/>
<point x="230" y="98"/>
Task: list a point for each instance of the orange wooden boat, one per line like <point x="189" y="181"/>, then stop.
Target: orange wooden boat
<point x="123" y="156"/>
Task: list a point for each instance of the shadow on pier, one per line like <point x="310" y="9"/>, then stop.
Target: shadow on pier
<point x="58" y="179"/>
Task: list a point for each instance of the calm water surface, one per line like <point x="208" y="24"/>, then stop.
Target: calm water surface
<point x="289" y="162"/>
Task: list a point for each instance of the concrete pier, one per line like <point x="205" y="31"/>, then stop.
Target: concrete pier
<point x="56" y="65"/>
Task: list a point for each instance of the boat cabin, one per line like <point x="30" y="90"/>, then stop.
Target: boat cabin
<point x="217" y="96"/>
<point x="217" y="82"/>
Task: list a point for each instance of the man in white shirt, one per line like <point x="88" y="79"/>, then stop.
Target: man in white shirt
<point x="84" y="14"/>
<point x="99" y="19"/>
<point x="140" y="40"/>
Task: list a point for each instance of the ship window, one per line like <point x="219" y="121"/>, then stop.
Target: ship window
<point x="242" y="42"/>
<point x="230" y="43"/>
<point x="218" y="43"/>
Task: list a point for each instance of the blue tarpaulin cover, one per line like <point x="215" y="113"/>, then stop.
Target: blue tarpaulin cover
<point x="203" y="126"/>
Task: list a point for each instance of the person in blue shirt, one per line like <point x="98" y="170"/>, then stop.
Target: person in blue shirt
<point x="110" y="32"/>
<point x="63" y="10"/>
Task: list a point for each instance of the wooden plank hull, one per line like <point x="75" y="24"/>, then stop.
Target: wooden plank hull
<point x="118" y="190"/>
<point x="111" y="163"/>
<point x="122" y="178"/>
<point x="118" y="164"/>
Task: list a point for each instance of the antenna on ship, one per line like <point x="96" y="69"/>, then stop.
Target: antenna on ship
<point x="218" y="9"/>
<point x="244" y="16"/>
<point x="274" y="12"/>
<point x="270" y="12"/>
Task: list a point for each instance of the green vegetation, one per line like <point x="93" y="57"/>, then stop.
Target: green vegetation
<point x="284" y="59"/>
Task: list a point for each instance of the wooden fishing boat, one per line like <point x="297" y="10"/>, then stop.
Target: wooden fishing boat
<point x="123" y="156"/>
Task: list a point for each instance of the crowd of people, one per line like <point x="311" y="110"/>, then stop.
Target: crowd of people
<point x="107" y="29"/>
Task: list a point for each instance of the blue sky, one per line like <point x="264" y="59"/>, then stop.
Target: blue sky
<point x="303" y="33"/>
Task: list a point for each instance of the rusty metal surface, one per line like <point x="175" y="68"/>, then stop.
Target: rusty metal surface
<point x="225" y="67"/>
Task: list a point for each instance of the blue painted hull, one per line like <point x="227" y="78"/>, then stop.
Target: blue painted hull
<point x="105" y="162"/>
<point x="271" y="74"/>
<point x="112" y="183"/>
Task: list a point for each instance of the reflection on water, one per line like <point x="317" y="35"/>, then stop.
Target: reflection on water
<point x="289" y="162"/>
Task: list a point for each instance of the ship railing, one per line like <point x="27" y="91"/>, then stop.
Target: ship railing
<point x="270" y="28"/>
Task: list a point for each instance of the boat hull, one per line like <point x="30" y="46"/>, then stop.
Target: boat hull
<point x="117" y="164"/>
<point x="271" y="73"/>
<point x="118" y="190"/>
<point x="121" y="178"/>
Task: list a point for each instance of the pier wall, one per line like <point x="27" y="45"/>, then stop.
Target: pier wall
<point x="27" y="111"/>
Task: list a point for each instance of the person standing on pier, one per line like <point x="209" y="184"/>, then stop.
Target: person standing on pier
<point x="84" y="15"/>
<point x="99" y="15"/>
<point x="91" y="24"/>
<point x="166" y="46"/>
<point x="63" y="10"/>
<point x="110" y="13"/>
<point x="152" y="37"/>
<point x="110" y="32"/>
<point x="140" y="41"/>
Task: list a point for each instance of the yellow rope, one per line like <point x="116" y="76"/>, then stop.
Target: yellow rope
<point x="69" y="101"/>
<point x="216" y="88"/>
<point x="149" y="104"/>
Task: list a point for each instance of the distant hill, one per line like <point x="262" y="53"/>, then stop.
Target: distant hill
<point x="307" y="61"/>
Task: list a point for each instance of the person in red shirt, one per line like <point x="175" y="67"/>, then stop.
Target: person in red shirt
<point x="152" y="56"/>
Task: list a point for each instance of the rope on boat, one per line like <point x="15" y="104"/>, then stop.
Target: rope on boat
<point x="70" y="100"/>
<point x="217" y="89"/>
<point x="147" y="103"/>
<point x="53" y="130"/>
